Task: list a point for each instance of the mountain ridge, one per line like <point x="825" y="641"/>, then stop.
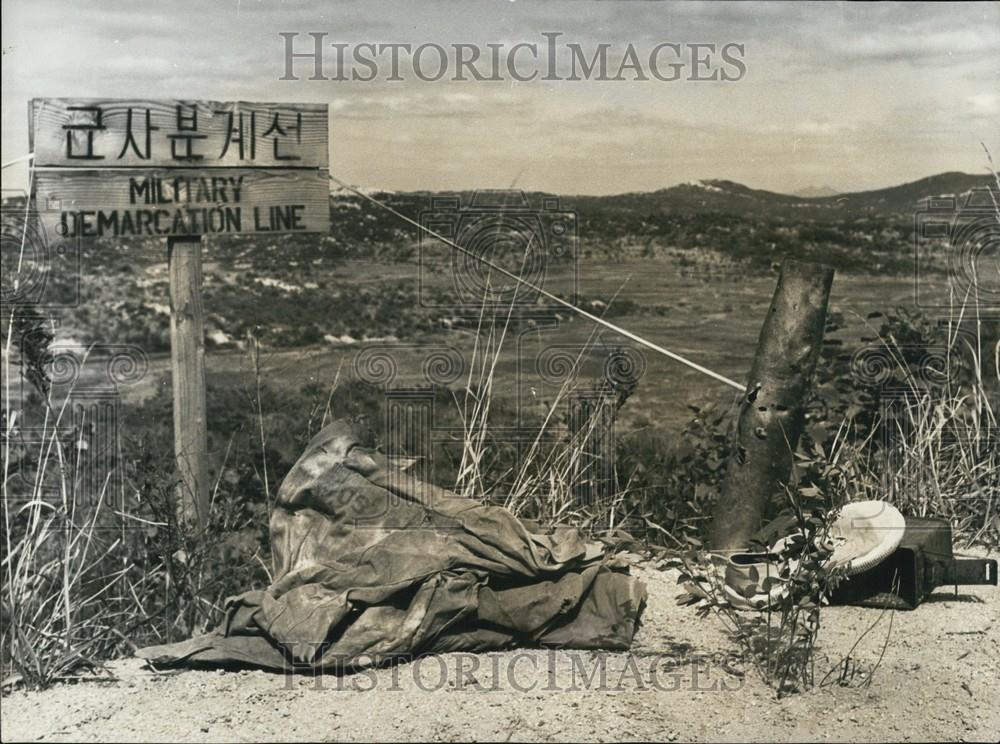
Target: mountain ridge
<point x="723" y="195"/>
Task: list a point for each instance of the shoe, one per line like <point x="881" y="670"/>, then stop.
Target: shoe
<point x="753" y="580"/>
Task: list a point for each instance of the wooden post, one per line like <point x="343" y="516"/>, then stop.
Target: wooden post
<point x="187" y="350"/>
<point x="772" y="412"/>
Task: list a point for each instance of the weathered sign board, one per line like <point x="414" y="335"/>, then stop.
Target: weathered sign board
<point x="164" y="203"/>
<point x="136" y="168"/>
<point x="180" y="169"/>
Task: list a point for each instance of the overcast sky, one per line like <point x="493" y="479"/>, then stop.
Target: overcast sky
<point x="852" y="96"/>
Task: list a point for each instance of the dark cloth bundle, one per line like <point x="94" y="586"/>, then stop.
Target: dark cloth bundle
<point x="373" y="564"/>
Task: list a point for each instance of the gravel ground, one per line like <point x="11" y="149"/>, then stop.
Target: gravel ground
<point x="938" y="681"/>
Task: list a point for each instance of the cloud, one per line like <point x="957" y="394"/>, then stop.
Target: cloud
<point x="984" y="104"/>
<point x="867" y="93"/>
<point x="929" y="47"/>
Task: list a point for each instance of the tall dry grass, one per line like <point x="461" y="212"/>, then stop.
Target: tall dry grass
<point x="61" y="562"/>
<point x="935" y="446"/>
<point x="543" y="482"/>
<point x="89" y="566"/>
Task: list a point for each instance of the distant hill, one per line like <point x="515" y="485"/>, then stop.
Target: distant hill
<point x="815" y="192"/>
<point x="735" y="198"/>
<point x="909" y="195"/>
<point x="730" y="216"/>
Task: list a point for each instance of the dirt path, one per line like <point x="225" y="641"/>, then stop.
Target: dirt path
<point x="938" y="681"/>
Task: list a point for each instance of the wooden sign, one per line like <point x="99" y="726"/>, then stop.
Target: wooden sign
<point x="138" y="168"/>
<point x="180" y="170"/>
<point x="101" y="133"/>
<point x="165" y="203"/>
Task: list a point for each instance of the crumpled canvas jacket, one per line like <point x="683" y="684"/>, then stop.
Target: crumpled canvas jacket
<point x="373" y="564"/>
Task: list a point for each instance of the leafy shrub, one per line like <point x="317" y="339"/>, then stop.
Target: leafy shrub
<point x="778" y="637"/>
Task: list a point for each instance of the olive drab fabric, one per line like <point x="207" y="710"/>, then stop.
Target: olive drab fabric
<point x="373" y="564"/>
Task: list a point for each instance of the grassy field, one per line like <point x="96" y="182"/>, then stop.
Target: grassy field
<point x="711" y="316"/>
